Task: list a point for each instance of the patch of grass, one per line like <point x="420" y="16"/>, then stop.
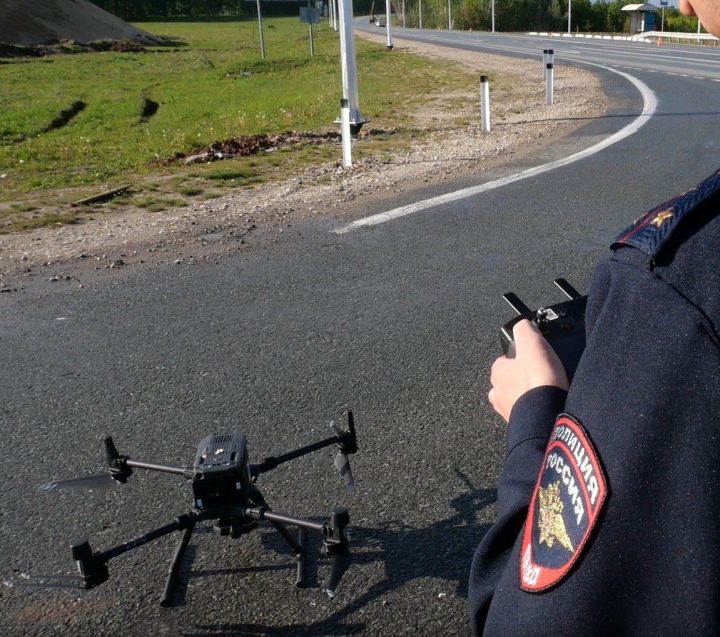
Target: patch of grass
<point x="229" y="174"/>
<point x="191" y="192"/>
<point x="23" y="207"/>
<point x="216" y="87"/>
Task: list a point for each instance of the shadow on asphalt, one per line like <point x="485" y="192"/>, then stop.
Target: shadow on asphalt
<point x="449" y="546"/>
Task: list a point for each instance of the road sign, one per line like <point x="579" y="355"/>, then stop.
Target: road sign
<point x="311" y="15"/>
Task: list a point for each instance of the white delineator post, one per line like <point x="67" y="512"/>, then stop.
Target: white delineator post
<point x="548" y="57"/>
<point x="335" y="14"/>
<point x="549" y="84"/>
<point x="347" y="61"/>
<point x="485" y="103"/>
<point x="345" y="133"/>
<point x="387" y="24"/>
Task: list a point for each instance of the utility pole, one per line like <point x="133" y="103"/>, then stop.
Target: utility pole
<point x="569" y="15"/>
<point x="492" y="11"/>
<point x="262" y="41"/>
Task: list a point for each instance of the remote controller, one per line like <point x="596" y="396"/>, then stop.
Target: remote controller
<point x="562" y="325"/>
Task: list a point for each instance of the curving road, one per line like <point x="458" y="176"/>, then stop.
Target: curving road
<point x="398" y="321"/>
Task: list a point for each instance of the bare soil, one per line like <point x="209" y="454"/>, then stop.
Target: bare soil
<point x="243" y="220"/>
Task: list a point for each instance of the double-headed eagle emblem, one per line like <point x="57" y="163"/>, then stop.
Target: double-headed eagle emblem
<point x="550" y="519"/>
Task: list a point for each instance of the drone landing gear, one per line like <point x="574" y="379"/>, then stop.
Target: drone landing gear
<point x="93" y="567"/>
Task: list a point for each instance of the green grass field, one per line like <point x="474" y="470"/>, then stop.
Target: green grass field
<point x="212" y="87"/>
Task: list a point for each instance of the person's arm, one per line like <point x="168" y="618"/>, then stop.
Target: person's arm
<point x="529" y="391"/>
<point x="531" y="421"/>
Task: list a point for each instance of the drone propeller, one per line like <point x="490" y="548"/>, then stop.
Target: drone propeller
<point x="44" y="581"/>
<point x="347" y="443"/>
<point x="92" y="482"/>
<point x="119" y="472"/>
<point x="342" y="464"/>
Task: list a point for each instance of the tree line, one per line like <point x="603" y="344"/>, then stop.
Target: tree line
<point x="602" y="16"/>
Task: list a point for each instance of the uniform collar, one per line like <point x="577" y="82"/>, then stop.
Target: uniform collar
<point x="652" y="232"/>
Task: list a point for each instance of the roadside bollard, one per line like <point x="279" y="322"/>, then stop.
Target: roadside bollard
<point x="548" y="58"/>
<point x="549" y="84"/>
<point x="485" y="103"/>
<point x="345" y="132"/>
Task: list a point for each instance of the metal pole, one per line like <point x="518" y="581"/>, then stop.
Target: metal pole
<point x="449" y="17"/>
<point x="485" y="103"/>
<point x="262" y="41"/>
<point x="330" y="13"/>
<point x="662" y="20"/>
<point x="388" y="15"/>
<point x="492" y="11"/>
<point x="403" y="11"/>
<point x="347" y="60"/>
<point x="420" y="11"/>
<point x="569" y="14"/>
<point x="345" y="133"/>
<point x="335" y="14"/>
<point x="549" y="85"/>
<point x="312" y="45"/>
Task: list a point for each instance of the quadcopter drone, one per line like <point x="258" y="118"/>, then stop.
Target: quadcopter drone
<point x="224" y="490"/>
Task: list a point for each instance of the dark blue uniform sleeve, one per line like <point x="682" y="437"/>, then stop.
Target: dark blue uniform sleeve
<point x="643" y="416"/>
<point x="531" y="420"/>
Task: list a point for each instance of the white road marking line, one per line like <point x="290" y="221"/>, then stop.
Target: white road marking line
<point x="649" y="107"/>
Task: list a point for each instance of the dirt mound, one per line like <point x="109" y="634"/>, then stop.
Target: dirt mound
<point x="36" y="22"/>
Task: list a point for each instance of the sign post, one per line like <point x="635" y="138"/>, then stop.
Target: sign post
<point x="311" y="15"/>
<point x="663" y="4"/>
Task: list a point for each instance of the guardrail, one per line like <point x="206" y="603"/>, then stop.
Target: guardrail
<point x="649" y="36"/>
<point x="671" y="36"/>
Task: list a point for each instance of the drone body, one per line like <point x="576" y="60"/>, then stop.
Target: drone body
<point x="224" y="490"/>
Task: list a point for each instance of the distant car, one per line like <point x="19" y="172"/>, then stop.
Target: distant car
<point x="380" y="22"/>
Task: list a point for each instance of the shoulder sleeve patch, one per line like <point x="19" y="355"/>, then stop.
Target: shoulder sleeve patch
<point x="568" y="497"/>
<point x="651" y="232"/>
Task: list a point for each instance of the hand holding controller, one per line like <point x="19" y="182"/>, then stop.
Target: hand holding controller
<point x="562" y="325"/>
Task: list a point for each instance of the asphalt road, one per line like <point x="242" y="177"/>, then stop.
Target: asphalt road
<point x="398" y="322"/>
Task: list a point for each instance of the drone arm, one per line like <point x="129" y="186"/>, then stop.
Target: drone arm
<point x="270" y="463"/>
<point x="263" y="513"/>
<point x="346" y="440"/>
<point x="179" y="523"/>
<point x="335" y="539"/>
<point x="187" y="473"/>
<point x="93" y="566"/>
